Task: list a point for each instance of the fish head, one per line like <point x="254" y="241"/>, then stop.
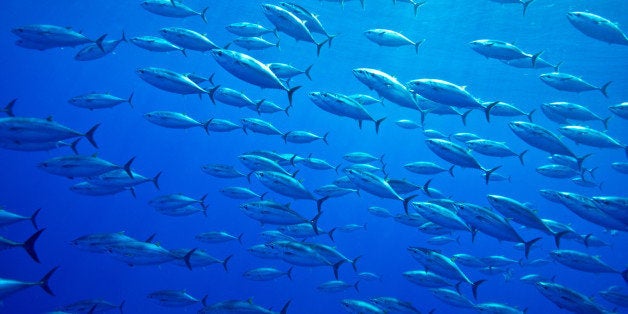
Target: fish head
<point x="550" y="195"/>
<point x="43" y="165"/>
<point x="556" y="254"/>
<point x="575" y="16"/>
<point x="18" y="30"/>
<point x="518" y="126"/>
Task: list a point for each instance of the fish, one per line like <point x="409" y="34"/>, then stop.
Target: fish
<point x="11" y="286"/>
<point x="120" y="178"/>
<point x="613" y="295"/>
<point x="387" y="87"/>
<point x="136" y="253"/>
<point x="444" y="92"/>
<point x="501" y="50"/>
<point x="376" y="185"/>
<point x="99" y="101"/>
<point x="277" y="214"/>
<point x="539" y="137"/>
<point x="395" y="305"/>
<point x="390" y="38"/>
<point x="344" y="106"/>
<point x="360" y="307"/>
<point x="170" y="81"/>
<point x="81" y="166"/>
<point x="174" y="298"/>
<point x="250" y="70"/>
<point x="310" y="19"/>
<point x="379" y="212"/>
<point x="247" y="29"/>
<point x="287" y="185"/>
<point x="54" y="36"/>
<point x="241" y="306"/>
<point x="187" y="39"/>
<point x="439" y="215"/>
<point x="452" y="298"/>
<point x="217" y="237"/>
<point x="157" y="44"/>
<point x="614" y="206"/>
<point x="255" y="43"/>
<point x="591" y="137"/>
<point x="303" y="137"/>
<point x="567" y="82"/>
<point x="173" y="120"/>
<point x="36" y="130"/>
<point x="499" y="108"/>
<point x="518" y="212"/>
<point x="241" y="193"/>
<point x="87" y="188"/>
<point x="172" y="8"/>
<point x="8" y="218"/>
<point x="621" y="110"/>
<point x="522" y="2"/>
<point x="442" y="265"/>
<point x="220" y="125"/>
<point x="566" y="298"/>
<point x="266" y="274"/>
<point x="497" y="308"/>
<point x="28" y="245"/>
<point x="289" y="24"/>
<point x="585" y="262"/>
<point x="587" y="209"/>
<point x="91" y="305"/>
<point x="95" y="51"/>
<point x="427" y="168"/>
<point x="557" y="171"/>
<point x="174" y="201"/>
<point x="407" y="124"/>
<point x="597" y="27"/>
<point x="494" y="225"/>
<point x="332" y="190"/>
<point x="337" y="286"/>
<point x="457" y="155"/>
<point x="493" y="148"/>
<point x="198" y="258"/>
<point x="287" y="72"/>
<point x="222" y="171"/>
<point x="577" y="112"/>
<point x="427" y="279"/>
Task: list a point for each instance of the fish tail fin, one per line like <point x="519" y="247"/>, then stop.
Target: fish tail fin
<point x="320" y="45"/>
<point x="123" y="37"/>
<point x="624" y="274"/>
<point x="464" y="115"/>
<point x="290" y="92"/>
<point x="210" y="79"/>
<point x="581" y="159"/>
<point x="406" y="201"/>
<point x="284" y="137"/>
<point x="89" y="135"/>
<point x="261" y="197"/>
<point x="204" y="300"/>
<point x="474" y="232"/>
<point x="331" y="37"/>
<point x="378" y="123"/>
<point x="203" y="16"/>
<point x="187" y="257"/>
<point x="457" y="286"/>
<point x="225" y="261"/>
<point x="325" y="140"/>
<point x="557" y="66"/>
<point x="284" y="309"/>
<point x="336" y="266"/>
<point x="127" y="167"/>
<point x="426" y="187"/>
<point x="529" y="115"/>
<point x="626" y="150"/>
<point x="240" y="238"/>
<point x="474" y="287"/>
<point x="356" y="287"/>
<point x="307" y="71"/>
<point x="121" y="306"/>
<point x="9" y="108"/>
<point x="319" y="202"/>
<point x="521" y="156"/>
<point x="34" y="217"/>
<point x="558" y="236"/>
<point x="528" y="245"/>
<point x="29" y="245"/>
<point x="43" y="282"/>
<point x="314" y="222"/>
<point x="489" y="172"/>
<point x="417" y="5"/>
<point x="354" y="263"/>
<point x="603" y="89"/>
<point x="487" y="110"/>
<point x="99" y="42"/>
<point x="206" y="125"/>
<point x="451" y="170"/>
<point x="155" y="180"/>
<point x="92" y="309"/>
<point x="248" y="176"/>
<point x="536" y="56"/>
<point x="183" y="52"/>
<point x="586" y="240"/>
<point x="525" y="6"/>
<point x="289" y="272"/>
<point x="211" y="93"/>
<point x="331" y="234"/>
<point x="287" y="110"/>
<point x="132" y="190"/>
<point x="605" y="122"/>
<point x="417" y="44"/>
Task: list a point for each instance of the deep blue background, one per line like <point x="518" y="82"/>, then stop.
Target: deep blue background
<point x="44" y="81"/>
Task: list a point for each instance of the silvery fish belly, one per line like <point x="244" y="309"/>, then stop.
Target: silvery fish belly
<point x="169" y="81"/>
<point x="444" y="92"/>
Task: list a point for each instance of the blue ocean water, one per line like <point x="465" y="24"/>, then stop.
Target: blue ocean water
<point x="43" y="81"/>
